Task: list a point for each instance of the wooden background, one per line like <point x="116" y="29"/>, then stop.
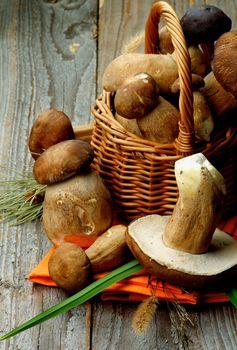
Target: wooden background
<point x="39" y="69"/>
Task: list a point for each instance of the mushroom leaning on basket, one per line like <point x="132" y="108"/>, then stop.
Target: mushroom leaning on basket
<point x="76" y="200"/>
<point x="186" y="248"/>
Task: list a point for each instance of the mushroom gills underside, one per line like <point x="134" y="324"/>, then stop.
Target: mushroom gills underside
<point x="144" y="238"/>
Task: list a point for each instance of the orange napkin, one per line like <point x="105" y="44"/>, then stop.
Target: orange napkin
<point x="140" y="285"/>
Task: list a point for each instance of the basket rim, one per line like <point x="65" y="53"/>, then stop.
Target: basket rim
<point x="117" y="134"/>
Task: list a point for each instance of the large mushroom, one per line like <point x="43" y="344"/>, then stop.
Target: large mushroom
<point x="203" y="25"/>
<point x="224" y="63"/>
<point x="76" y="200"/>
<point x="186" y="248"/>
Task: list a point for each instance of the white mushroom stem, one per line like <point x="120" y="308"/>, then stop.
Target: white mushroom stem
<point x="199" y="207"/>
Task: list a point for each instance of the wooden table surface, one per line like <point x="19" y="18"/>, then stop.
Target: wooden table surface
<point x="52" y="54"/>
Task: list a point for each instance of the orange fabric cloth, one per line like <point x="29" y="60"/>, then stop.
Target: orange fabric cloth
<point x="139" y="285"/>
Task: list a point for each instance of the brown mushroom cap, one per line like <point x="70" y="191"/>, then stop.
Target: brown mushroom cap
<point x="224" y="63"/>
<point x="70" y="268"/>
<point x="197" y="271"/>
<point x="137" y="96"/>
<point x="62" y="161"/>
<point x="49" y="128"/>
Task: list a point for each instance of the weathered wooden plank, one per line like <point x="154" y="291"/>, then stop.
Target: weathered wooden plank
<point x="47" y="59"/>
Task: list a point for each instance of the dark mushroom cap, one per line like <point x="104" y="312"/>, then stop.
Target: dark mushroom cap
<point x="204" y="24"/>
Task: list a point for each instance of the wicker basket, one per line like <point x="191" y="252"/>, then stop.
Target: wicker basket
<point x="140" y="173"/>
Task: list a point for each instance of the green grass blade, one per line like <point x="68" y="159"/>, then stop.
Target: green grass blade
<point x="80" y="297"/>
<point x="232" y="295"/>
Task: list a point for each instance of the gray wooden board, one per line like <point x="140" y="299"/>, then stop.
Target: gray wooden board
<point x="52" y="54"/>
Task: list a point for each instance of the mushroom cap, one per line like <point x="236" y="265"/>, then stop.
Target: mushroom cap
<point x="49" y="128"/>
<point x="62" y="161"/>
<point x="204" y="24"/>
<point x="197" y="271"/>
<point x="69" y="267"/>
<point x="137" y="96"/>
<point x="224" y="64"/>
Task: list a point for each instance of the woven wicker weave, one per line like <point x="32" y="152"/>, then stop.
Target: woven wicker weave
<point x="140" y="173"/>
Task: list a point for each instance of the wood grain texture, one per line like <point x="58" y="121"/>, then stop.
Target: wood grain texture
<point x="52" y="54"/>
<point x="40" y="70"/>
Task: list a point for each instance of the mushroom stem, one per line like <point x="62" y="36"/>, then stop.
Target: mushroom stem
<point x="199" y="207"/>
<point x="208" y="51"/>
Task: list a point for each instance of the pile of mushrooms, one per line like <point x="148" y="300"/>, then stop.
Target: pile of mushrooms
<point x="146" y="89"/>
<point x="186" y="248"/>
<point x="76" y="203"/>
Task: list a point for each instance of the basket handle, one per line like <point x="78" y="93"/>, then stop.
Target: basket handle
<point x="185" y="140"/>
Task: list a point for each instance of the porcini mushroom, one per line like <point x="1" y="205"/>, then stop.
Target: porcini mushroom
<point x="224" y="64"/>
<point x="162" y="68"/>
<point x="220" y="101"/>
<point x="79" y="206"/>
<point x="62" y="161"/>
<point x="49" y="128"/>
<point x="203" y="25"/>
<point x="202" y="116"/>
<point x="109" y="249"/>
<point x="137" y="96"/>
<point x="69" y="267"/>
<point x="186" y="248"/>
<point x="161" y="124"/>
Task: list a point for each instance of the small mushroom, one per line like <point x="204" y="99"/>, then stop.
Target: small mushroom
<point x="186" y="248"/>
<point x="49" y="128"/>
<point x="137" y="96"/>
<point x="203" y="25"/>
<point x="62" y="161"/>
<point x="79" y="206"/>
<point x="109" y="249"/>
<point x="70" y="268"/>
<point x="224" y="64"/>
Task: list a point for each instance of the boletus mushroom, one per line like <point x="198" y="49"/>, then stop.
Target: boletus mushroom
<point x="72" y="268"/>
<point x="224" y="63"/>
<point x="186" y="248"/>
<point x="79" y="206"/>
<point x="202" y="116"/>
<point x="49" y="128"/>
<point x="62" y="161"/>
<point x="137" y="96"/>
<point x="69" y="267"/>
<point x="203" y="25"/>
